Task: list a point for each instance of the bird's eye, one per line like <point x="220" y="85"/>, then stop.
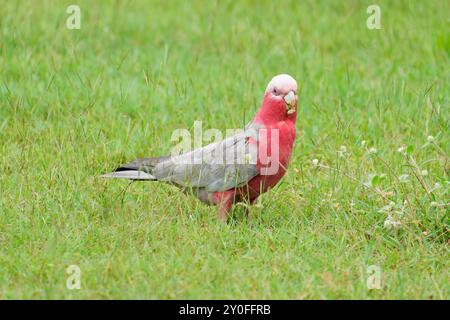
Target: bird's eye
<point x="275" y="91"/>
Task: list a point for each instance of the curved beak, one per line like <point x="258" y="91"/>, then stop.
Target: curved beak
<point x="290" y="102"/>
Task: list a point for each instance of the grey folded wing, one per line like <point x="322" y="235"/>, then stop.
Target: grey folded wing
<point x="219" y="166"/>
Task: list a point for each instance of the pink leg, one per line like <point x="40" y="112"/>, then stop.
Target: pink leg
<point x="224" y="209"/>
<point x="224" y="200"/>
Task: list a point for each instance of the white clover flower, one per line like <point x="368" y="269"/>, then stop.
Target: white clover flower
<point x="390" y="223"/>
<point x="401" y="149"/>
<point x="430" y="138"/>
<point x="373" y="150"/>
<point x="315" y="162"/>
<point x="424" y="172"/>
<point x="363" y="143"/>
<point x="404" y="178"/>
<point x="434" y="204"/>
<point x="437" y="185"/>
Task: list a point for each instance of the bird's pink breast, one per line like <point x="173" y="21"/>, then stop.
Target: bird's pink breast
<point x="263" y="183"/>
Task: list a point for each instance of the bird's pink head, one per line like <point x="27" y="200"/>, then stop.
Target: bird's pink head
<point x="280" y="100"/>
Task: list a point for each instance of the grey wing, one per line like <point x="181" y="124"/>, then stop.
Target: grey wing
<point x="219" y="166"/>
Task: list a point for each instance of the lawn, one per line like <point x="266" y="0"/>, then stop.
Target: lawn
<point x="368" y="183"/>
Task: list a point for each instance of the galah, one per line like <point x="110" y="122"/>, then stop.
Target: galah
<point x="238" y="168"/>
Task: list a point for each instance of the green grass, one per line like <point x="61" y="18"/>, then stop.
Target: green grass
<point x="76" y="103"/>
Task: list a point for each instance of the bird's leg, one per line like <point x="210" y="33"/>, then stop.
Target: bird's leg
<point x="224" y="209"/>
<point x="224" y="200"/>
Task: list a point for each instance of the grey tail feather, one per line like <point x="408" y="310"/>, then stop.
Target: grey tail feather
<point x="144" y="164"/>
<point x="139" y="169"/>
<point x="129" y="174"/>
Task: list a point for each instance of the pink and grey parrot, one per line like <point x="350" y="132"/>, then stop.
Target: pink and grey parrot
<point x="238" y="168"/>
